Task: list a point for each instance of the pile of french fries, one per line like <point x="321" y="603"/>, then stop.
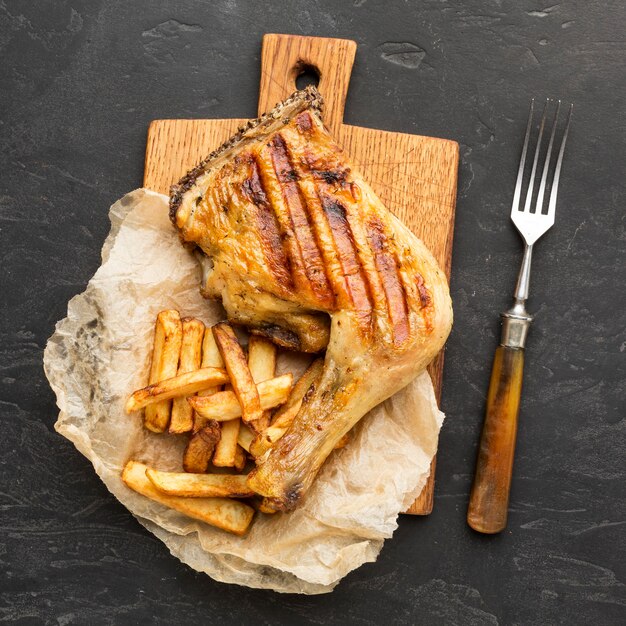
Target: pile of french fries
<point x="204" y="385"/>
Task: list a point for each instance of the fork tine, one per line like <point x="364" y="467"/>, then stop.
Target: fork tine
<point x="531" y="184"/>
<point x="546" y="166"/>
<point x="520" y="171"/>
<point x="557" y="170"/>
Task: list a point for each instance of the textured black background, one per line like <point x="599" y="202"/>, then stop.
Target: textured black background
<point x="80" y="81"/>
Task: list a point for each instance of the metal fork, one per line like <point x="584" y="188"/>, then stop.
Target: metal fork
<point x="489" y="498"/>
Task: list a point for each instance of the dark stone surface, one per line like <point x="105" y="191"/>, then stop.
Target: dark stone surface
<point x="80" y="81"/>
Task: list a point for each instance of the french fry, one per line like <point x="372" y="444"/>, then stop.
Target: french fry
<point x="230" y="515"/>
<point x="190" y="360"/>
<point x="226" y="454"/>
<point x="240" y="458"/>
<point x="167" y="341"/>
<point x="245" y="437"/>
<point x="239" y="372"/>
<point x="183" y="385"/>
<point x="262" y="364"/>
<point x="261" y="358"/>
<point x="211" y="357"/>
<point x="224" y="406"/>
<point x="200" y="448"/>
<point x="285" y="415"/>
<point x="200" y="485"/>
<point x="226" y="449"/>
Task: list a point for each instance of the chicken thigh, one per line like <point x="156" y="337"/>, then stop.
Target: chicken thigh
<point x="301" y="250"/>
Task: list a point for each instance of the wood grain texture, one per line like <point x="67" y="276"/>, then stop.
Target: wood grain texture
<point x="414" y="176"/>
<point x="284" y="57"/>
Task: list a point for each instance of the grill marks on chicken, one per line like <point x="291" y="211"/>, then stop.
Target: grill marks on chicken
<point x="387" y="267"/>
<point x="308" y="270"/>
<point x="296" y="236"/>
<point x="269" y="228"/>
<point x="353" y="285"/>
<point x="306" y="230"/>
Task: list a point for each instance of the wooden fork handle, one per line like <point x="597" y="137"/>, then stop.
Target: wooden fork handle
<point x="489" y="498"/>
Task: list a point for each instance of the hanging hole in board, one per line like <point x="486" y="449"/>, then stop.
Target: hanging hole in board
<point x="307" y="75"/>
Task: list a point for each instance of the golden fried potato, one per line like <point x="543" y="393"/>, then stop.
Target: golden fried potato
<point x="211" y="356"/>
<point x="190" y="360"/>
<point x="241" y="458"/>
<point x="262" y="364"/>
<point x="226" y="449"/>
<point x="230" y="515"/>
<point x="224" y="406"/>
<point x="200" y="485"/>
<point x="165" y="354"/>
<point x="201" y="447"/>
<point x="183" y="385"/>
<point x="239" y="372"/>
<point x="245" y="437"/>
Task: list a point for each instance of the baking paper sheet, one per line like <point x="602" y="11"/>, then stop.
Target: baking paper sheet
<point x="100" y="353"/>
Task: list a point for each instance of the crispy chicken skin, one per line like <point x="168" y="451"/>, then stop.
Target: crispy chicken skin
<point x="301" y="250"/>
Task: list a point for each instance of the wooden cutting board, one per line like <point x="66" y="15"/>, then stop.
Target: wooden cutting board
<point x="414" y="176"/>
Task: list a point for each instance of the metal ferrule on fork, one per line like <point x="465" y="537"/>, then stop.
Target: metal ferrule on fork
<point x="514" y="329"/>
<point x="516" y="321"/>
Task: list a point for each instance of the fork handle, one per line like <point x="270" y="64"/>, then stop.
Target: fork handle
<point x="489" y="498"/>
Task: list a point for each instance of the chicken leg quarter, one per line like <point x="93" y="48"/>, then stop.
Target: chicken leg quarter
<point x="301" y="250"/>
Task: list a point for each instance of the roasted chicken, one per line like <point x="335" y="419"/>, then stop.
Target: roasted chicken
<point x="300" y="250"/>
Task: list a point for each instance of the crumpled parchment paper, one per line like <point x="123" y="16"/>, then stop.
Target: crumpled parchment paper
<point x="101" y="352"/>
